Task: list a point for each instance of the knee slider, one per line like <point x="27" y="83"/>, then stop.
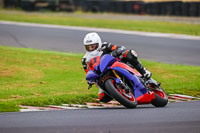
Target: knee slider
<point x="133" y="53"/>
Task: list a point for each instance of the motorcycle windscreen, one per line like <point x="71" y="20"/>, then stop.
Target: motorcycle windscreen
<point x="106" y="60"/>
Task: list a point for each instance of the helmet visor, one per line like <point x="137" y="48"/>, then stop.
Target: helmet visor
<point x="91" y="47"/>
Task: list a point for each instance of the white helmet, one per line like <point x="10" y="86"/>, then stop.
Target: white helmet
<point x="92" y="41"/>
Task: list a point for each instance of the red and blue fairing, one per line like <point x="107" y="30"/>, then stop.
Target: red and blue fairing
<point x="99" y="66"/>
<point x="141" y="93"/>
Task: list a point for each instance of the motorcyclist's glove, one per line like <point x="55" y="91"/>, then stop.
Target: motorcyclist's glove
<point x="90" y="84"/>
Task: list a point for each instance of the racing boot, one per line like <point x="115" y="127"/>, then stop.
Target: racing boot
<point x="142" y="70"/>
<point x="103" y="96"/>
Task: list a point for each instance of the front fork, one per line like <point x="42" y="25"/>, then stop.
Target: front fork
<point x="119" y="81"/>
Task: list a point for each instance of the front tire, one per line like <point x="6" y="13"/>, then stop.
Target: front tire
<point x="117" y="94"/>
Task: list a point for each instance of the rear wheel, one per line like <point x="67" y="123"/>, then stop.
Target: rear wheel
<point x="161" y="98"/>
<point x="125" y="98"/>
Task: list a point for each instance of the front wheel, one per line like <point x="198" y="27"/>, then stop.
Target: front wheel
<point x="125" y="98"/>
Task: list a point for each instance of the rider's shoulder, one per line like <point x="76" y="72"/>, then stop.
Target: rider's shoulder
<point x="105" y="45"/>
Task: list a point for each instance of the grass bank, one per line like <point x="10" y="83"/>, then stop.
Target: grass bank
<point x="39" y="78"/>
<point x="34" y="77"/>
<point x="82" y="20"/>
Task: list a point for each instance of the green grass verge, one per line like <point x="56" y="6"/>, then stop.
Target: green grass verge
<point x="81" y="20"/>
<point x="39" y="78"/>
<point x="34" y="77"/>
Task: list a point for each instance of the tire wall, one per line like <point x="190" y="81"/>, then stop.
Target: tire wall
<point x="140" y="7"/>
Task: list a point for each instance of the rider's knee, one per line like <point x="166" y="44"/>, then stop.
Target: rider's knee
<point x="131" y="56"/>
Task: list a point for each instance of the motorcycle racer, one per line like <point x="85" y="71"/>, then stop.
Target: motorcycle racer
<point x="94" y="47"/>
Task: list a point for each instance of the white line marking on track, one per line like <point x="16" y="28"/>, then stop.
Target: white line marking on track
<point x="150" y="34"/>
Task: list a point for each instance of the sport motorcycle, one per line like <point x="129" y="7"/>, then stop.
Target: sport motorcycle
<point x="124" y="84"/>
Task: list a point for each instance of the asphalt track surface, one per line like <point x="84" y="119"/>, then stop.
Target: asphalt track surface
<point x="174" y="118"/>
<point x="164" y="49"/>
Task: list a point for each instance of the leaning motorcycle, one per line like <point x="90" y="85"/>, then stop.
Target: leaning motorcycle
<point x="125" y="84"/>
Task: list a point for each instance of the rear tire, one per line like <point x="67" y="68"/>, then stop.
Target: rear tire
<point x="161" y="98"/>
<point x="112" y="90"/>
